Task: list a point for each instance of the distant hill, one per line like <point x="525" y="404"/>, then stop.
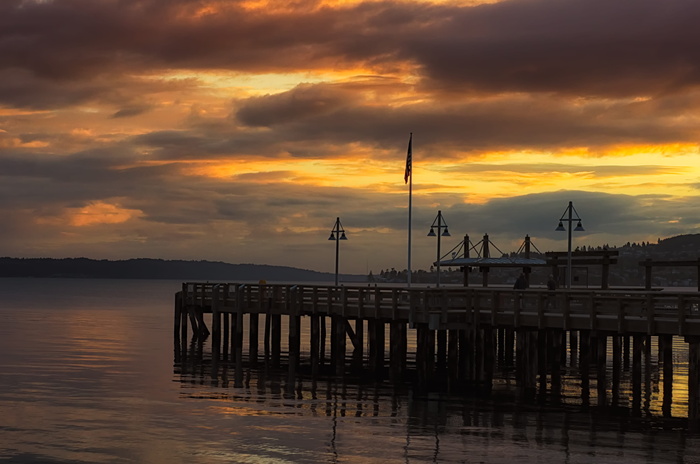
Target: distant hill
<point x="161" y="269"/>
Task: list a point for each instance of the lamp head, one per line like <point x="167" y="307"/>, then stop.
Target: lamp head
<point x="446" y="233"/>
<point x="431" y="233"/>
<point x="332" y="237"/>
<point x="560" y="227"/>
<point x="343" y="237"/>
<point x="579" y="227"/>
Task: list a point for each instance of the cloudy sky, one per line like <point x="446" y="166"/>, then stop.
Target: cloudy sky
<point x="238" y="131"/>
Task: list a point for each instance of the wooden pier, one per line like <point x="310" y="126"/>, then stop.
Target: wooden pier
<point x="458" y="334"/>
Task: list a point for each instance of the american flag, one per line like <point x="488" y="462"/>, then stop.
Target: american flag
<point x="409" y="160"/>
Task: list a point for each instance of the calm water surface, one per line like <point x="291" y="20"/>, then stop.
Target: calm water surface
<point x="87" y="376"/>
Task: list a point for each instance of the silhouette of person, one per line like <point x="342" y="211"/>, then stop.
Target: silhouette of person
<point x="521" y="282"/>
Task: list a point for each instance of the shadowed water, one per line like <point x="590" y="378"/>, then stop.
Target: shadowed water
<point x="87" y="376"/>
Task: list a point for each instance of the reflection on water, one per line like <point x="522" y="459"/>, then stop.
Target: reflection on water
<point x="654" y="392"/>
<point x="87" y="376"/>
<point x="372" y="422"/>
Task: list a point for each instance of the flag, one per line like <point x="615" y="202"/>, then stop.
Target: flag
<point x="409" y="160"/>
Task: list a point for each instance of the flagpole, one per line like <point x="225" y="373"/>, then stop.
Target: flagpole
<point x="409" y="171"/>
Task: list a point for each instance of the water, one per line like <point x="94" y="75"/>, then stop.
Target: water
<point x="87" y="376"/>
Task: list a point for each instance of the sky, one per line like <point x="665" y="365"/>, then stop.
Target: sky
<point x="238" y="131"/>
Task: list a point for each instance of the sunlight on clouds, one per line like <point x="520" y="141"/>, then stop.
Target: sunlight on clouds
<point x="102" y="213"/>
<point x="631" y="170"/>
<point x="435" y="2"/>
<point x="277" y="6"/>
<point x="95" y="213"/>
<point x="214" y="84"/>
<point x="627" y="170"/>
<point x="8" y="141"/>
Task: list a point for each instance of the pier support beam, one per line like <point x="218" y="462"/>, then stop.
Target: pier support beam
<point x="294" y="346"/>
<point x="666" y="349"/>
<point x="253" y="328"/>
<point x="357" y="337"/>
<point x="398" y="342"/>
<point x="425" y="355"/>
<point x="377" y="341"/>
<point x="238" y="374"/>
<point x="694" y="382"/>
<point x="315" y="343"/>
<point x="276" y="339"/>
<point x="601" y="364"/>
<point x="637" y="350"/>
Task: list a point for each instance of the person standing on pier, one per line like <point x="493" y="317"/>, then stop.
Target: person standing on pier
<point x="520" y="284"/>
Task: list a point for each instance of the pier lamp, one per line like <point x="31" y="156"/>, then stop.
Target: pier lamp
<point x="569" y="217"/>
<point x="337" y="234"/>
<point x="438" y="223"/>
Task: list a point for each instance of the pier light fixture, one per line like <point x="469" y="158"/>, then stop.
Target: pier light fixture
<point x="568" y="216"/>
<point x="337" y="234"/>
<point x="438" y="223"/>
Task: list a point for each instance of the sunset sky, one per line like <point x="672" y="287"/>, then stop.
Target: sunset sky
<point x="238" y="131"/>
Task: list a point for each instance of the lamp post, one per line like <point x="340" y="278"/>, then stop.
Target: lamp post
<point x="438" y="223"/>
<point x="569" y="217"/>
<point x="337" y="234"/>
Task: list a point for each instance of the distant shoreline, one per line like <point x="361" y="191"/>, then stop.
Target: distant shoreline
<point x="144" y="268"/>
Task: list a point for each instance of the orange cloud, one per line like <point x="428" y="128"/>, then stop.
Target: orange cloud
<point x="101" y="213"/>
<point x="96" y="213"/>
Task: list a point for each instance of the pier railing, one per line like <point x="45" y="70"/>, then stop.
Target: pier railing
<point x="617" y="311"/>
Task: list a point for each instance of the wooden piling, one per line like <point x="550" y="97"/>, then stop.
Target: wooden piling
<point x="238" y="374"/>
<point x="315" y="343"/>
<point x="637" y="351"/>
<point x="489" y="364"/>
<point x="441" y="355"/>
<point x="225" y="335"/>
<point x="694" y="382"/>
<point x="358" y="345"/>
<point x="294" y="346"/>
<point x="276" y="339"/>
<point x="584" y="363"/>
<point x="616" y="368"/>
<point x="509" y="342"/>
<point x="601" y="363"/>
<point x="340" y="344"/>
<point x="376" y="346"/>
<point x="452" y="359"/>
<point x="253" y="329"/>
<point x="666" y="348"/>
<point x="398" y="342"/>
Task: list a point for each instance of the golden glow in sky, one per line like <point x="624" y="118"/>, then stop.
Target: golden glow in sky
<point x="239" y="131"/>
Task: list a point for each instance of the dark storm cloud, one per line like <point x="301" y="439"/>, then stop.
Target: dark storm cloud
<point x="304" y="101"/>
<point x="22" y="88"/>
<point x="36" y="180"/>
<point x="131" y="111"/>
<point x="589" y="47"/>
<point x="329" y="112"/>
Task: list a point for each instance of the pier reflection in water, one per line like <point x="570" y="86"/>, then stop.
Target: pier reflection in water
<point x="368" y="421"/>
<point x="651" y="386"/>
